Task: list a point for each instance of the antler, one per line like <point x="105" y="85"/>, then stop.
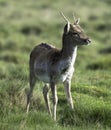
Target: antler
<point x="76" y="21"/>
<point x="74" y="17"/>
<point x="65" y="17"/>
<point x="68" y="23"/>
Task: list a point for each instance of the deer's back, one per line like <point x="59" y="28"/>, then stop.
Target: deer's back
<point x="44" y="52"/>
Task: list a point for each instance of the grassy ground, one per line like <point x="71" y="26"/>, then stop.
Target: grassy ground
<point x="24" y="24"/>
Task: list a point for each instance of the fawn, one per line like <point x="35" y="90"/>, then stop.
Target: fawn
<point x="53" y="66"/>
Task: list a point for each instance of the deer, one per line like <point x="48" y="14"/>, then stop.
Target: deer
<point x="53" y="66"/>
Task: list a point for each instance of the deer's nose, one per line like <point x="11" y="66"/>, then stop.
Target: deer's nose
<point x="87" y="40"/>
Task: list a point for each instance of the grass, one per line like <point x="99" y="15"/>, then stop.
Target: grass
<point x="26" y="24"/>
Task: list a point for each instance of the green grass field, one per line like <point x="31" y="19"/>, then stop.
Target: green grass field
<point x="24" y="24"/>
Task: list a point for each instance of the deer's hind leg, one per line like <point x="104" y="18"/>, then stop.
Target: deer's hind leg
<point x="29" y="95"/>
<point x="46" y="90"/>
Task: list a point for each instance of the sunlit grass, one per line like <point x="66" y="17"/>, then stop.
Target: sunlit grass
<point x="26" y="24"/>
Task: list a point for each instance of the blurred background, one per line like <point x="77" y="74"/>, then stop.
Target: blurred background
<point x="26" y="23"/>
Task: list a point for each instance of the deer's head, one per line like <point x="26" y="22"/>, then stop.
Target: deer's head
<point x="75" y="32"/>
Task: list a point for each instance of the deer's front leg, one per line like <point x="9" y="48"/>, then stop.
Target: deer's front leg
<point x="55" y="99"/>
<point x="67" y="85"/>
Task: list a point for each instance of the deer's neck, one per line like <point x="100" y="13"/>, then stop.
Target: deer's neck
<point x="69" y="50"/>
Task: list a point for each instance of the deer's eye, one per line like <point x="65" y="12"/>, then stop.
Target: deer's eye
<point x="76" y="34"/>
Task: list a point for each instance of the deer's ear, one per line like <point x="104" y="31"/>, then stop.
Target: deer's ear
<point x="77" y="21"/>
<point x="67" y="28"/>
